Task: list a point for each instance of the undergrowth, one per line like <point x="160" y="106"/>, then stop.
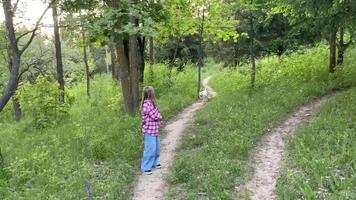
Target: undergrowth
<point x="98" y="142"/>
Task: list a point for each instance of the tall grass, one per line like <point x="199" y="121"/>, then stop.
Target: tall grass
<point x="214" y="155"/>
<point x="321" y="161"/>
<point x="99" y="142"/>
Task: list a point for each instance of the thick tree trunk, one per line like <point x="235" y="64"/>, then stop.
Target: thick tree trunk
<point x="14" y="54"/>
<point x="128" y="55"/>
<point x="252" y="55"/>
<point x="332" y="53"/>
<point x="17" y="108"/>
<point x="134" y="52"/>
<point x="85" y="59"/>
<point x="124" y="72"/>
<point x="57" y="43"/>
<point x="123" y="60"/>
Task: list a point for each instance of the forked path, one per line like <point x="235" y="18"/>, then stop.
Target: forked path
<point x="269" y="153"/>
<point x="150" y="187"/>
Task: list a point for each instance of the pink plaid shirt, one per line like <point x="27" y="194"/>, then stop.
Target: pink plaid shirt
<point x="151" y="118"/>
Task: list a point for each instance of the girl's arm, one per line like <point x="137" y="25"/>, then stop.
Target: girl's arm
<point x="151" y="111"/>
<point x="155" y="114"/>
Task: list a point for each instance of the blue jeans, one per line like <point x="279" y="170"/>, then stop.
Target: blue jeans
<point x="151" y="152"/>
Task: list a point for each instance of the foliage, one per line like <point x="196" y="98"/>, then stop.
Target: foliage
<point x="190" y="22"/>
<point x="318" y="15"/>
<point x="41" y="101"/>
<point x="322" y="155"/>
<point x="213" y="156"/>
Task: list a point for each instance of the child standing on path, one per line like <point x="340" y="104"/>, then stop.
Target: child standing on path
<point x="151" y="122"/>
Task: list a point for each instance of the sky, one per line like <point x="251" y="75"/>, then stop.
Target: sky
<point x="29" y="11"/>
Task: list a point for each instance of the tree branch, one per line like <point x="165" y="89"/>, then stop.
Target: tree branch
<point x="40" y="70"/>
<point x="15" y="6"/>
<point x="22" y="72"/>
<point x="22" y="35"/>
<point x="35" y="29"/>
<point x="32" y="64"/>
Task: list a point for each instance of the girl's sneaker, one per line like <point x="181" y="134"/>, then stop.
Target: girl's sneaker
<point x="157" y="166"/>
<point x="148" y="172"/>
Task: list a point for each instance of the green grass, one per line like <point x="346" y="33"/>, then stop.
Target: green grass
<point x="321" y="163"/>
<point x="98" y="142"/>
<point x="214" y="153"/>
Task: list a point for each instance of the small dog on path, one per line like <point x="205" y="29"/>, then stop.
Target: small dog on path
<point x="203" y="95"/>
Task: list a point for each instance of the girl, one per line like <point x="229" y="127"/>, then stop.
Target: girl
<point x="151" y="122"/>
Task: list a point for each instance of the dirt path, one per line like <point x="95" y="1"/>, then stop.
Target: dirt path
<point x="269" y="152"/>
<point x="149" y="187"/>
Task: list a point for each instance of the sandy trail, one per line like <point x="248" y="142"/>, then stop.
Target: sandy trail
<point x="269" y="152"/>
<point x="149" y="187"/>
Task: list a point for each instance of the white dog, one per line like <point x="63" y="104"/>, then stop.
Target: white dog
<point x="203" y="94"/>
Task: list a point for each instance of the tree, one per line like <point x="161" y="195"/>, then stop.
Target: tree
<point x="57" y="43"/>
<point x="1" y="157"/>
<point x="208" y="21"/>
<point x="326" y="17"/>
<point x="252" y="56"/>
<point x="14" y="52"/>
<point x="129" y="25"/>
<point x="342" y="46"/>
<point x="85" y="58"/>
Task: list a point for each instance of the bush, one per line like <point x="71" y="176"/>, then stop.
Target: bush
<point x="41" y="101"/>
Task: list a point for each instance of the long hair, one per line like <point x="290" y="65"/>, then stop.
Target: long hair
<point x="148" y="94"/>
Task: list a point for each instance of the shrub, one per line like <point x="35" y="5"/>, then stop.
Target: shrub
<point x="41" y="101"/>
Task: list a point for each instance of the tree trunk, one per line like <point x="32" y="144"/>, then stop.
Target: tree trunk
<point x="151" y="73"/>
<point x="14" y="53"/>
<point x="134" y="57"/>
<point x="114" y="61"/>
<point x="332" y="53"/>
<point x="85" y="58"/>
<point x="236" y="55"/>
<point x="236" y="46"/>
<point x="123" y="60"/>
<point x="340" y="55"/>
<point x="57" y="43"/>
<point x="141" y="43"/>
<point x="251" y="48"/>
<point x="17" y="108"/>
<point x="151" y="51"/>
<point x="175" y="52"/>
<point x="201" y="57"/>
<point x="128" y="55"/>
<point x="106" y="59"/>
<point x="124" y="72"/>
<point x="1" y="157"/>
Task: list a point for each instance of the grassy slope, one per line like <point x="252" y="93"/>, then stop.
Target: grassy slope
<point x="99" y="143"/>
<point x="214" y="153"/>
<point x="322" y="156"/>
